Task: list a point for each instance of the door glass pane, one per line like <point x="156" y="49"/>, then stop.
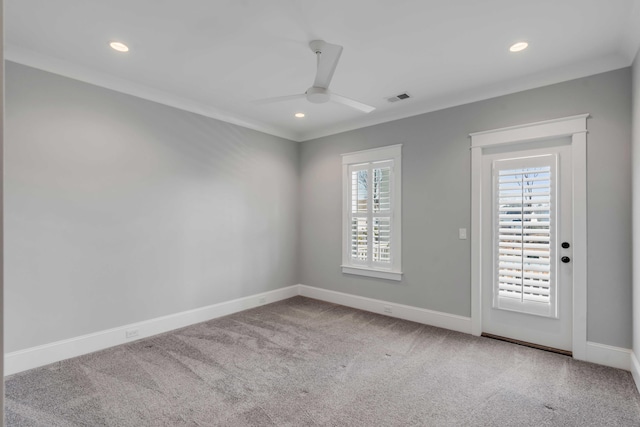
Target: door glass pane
<point x="523" y="235"/>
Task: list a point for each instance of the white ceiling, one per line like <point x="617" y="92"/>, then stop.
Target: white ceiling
<point x="216" y="57"/>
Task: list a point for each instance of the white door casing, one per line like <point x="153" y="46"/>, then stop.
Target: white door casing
<point x="575" y="128"/>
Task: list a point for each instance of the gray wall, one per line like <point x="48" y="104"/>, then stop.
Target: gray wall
<point x="1" y="211"/>
<point x="636" y="206"/>
<point x="120" y="210"/>
<point x="436" y="199"/>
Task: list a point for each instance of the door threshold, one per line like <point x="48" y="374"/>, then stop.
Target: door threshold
<point x="528" y="344"/>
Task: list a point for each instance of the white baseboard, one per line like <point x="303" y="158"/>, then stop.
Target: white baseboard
<point x="600" y="354"/>
<point x="415" y="314"/>
<point x="635" y="370"/>
<point x="607" y="355"/>
<point x="33" y="357"/>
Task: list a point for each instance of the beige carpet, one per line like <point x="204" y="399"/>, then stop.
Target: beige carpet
<point x="302" y="362"/>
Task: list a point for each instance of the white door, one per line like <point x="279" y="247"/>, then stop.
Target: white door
<point x="526" y="245"/>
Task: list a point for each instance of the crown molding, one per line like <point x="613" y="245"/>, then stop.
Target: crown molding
<point x="414" y="108"/>
<point x="570" y="72"/>
<point x="88" y="75"/>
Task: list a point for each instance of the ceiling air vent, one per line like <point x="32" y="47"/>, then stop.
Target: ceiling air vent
<point x="400" y="97"/>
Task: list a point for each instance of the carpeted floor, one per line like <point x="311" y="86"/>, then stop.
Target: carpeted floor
<point x="303" y="362"/>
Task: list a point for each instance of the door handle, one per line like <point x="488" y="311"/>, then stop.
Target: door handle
<point x="565" y="259"/>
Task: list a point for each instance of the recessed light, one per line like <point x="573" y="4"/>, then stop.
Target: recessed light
<point x="120" y="47"/>
<point x="517" y="47"/>
<point x="299" y="115"/>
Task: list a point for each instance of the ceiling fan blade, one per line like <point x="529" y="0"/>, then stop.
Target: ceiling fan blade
<point x="327" y="63"/>
<point x="279" y="99"/>
<point x="351" y="103"/>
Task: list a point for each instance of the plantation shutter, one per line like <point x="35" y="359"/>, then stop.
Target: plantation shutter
<point x="359" y="214"/>
<point x="370" y="213"/>
<point x="524" y="234"/>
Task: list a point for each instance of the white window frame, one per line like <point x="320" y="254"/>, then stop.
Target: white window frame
<point x="392" y="153"/>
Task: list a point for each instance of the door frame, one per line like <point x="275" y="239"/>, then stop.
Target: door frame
<point x="576" y="128"/>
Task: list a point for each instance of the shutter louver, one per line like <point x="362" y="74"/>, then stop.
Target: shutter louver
<point x="381" y="212"/>
<point x="359" y="241"/>
<point x="524" y="234"/>
<point x="359" y="223"/>
<point x="371" y="213"/>
<point x="382" y="189"/>
<point x="381" y="239"/>
<point x="359" y="193"/>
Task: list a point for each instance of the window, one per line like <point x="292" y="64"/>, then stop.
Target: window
<point x="371" y="213"/>
<point x="524" y="235"/>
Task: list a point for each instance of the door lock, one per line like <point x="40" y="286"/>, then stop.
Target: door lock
<point x="565" y="259"/>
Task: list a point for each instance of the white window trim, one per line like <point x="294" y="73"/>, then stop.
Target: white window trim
<point x="576" y="128"/>
<point x="394" y="153"/>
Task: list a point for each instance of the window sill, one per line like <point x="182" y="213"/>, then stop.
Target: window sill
<point x="380" y="274"/>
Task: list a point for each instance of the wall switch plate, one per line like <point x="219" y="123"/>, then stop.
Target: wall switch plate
<point x="462" y="233"/>
<point x="131" y="333"/>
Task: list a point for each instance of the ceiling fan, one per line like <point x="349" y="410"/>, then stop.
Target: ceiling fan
<point x="327" y="55"/>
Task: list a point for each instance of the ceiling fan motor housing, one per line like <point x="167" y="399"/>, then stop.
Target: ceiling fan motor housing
<point x="316" y="45"/>
<point x="317" y="95"/>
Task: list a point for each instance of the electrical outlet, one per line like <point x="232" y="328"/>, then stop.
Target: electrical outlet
<point x="262" y="300"/>
<point x="387" y="309"/>
<point x="131" y="333"/>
